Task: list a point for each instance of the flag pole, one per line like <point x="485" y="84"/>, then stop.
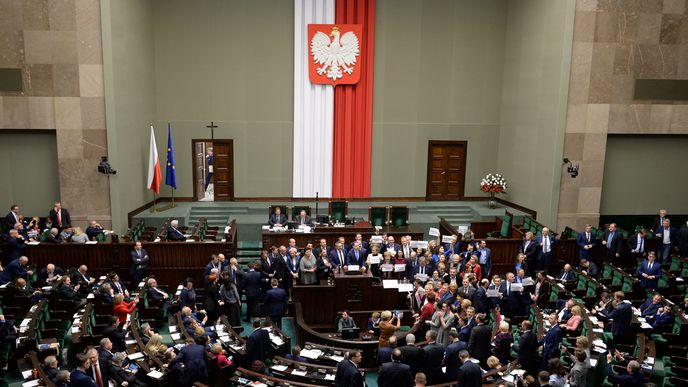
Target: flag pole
<point x="173" y="205"/>
<point x="154" y="199"/>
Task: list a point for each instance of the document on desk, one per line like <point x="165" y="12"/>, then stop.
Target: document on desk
<point x="276" y="340"/>
<point x="311" y="353"/>
<point x="337" y="358"/>
<point x="390" y="284"/>
<point x="135" y="356"/>
<point x="279" y="367"/>
<point x="31" y="383"/>
<point x="176" y="336"/>
<point x="155" y="374"/>
<point x="298" y="373"/>
<point x="329" y="377"/>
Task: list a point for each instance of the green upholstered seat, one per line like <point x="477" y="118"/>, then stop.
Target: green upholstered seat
<point x="377" y="216"/>
<point x="338" y="211"/>
<point x="399" y="216"/>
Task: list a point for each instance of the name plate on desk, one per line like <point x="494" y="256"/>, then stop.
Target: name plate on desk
<point x="353" y="267"/>
<point x="390" y="284"/>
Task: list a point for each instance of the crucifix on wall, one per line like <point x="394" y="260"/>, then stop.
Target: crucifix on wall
<point x="212" y="127"/>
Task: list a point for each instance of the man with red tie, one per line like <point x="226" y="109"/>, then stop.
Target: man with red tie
<point x="60" y="216"/>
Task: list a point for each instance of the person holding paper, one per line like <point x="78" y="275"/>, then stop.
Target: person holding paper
<point x="357" y="255"/>
<point x="511" y="299"/>
<point x="390" y="245"/>
<point x="422" y="271"/>
<point x="521" y="263"/>
<point x="388" y="327"/>
<point x="542" y="288"/>
<point x="387" y="266"/>
<point x="453" y="247"/>
<point x="325" y="266"/>
<point x="307" y="267"/>
<point x="373" y="260"/>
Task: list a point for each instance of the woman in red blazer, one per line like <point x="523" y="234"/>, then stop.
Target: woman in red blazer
<point x="121" y="309"/>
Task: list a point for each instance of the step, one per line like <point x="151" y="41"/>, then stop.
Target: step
<point x="248" y="253"/>
<point x="250" y="245"/>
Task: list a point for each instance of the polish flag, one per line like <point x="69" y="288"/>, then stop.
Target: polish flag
<point x="154" y="175"/>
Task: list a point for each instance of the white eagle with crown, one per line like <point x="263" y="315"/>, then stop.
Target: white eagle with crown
<point x="337" y="56"/>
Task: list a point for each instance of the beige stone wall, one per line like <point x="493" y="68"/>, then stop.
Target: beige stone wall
<point x="57" y="44"/>
<point x="614" y="43"/>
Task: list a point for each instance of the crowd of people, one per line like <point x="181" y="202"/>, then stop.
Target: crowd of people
<point x="455" y="299"/>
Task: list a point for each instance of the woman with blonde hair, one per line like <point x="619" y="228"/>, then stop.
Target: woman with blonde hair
<point x="154" y="343"/>
<point x="583" y="344"/>
<point x="387" y="327"/>
<point x="79" y="236"/>
<point x="503" y="341"/>
<point x="122" y="308"/>
<point x="574" y="321"/>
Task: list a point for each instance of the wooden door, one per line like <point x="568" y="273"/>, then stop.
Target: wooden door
<point x="446" y="170"/>
<point x="223" y="170"/>
<point x="199" y="169"/>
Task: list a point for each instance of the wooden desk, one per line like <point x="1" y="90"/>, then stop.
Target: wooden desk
<point x="331" y="234"/>
<point x="354" y="292"/>
<point x="243" y="373"/>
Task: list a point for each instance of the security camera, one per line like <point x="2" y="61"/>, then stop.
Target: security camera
<point x="105" y="168"/>
<point x="572" y="169"/>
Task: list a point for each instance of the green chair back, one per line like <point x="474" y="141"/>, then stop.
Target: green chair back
<point x="338" y="211"/>
<point x="399" y="216"/>
<point x="506" y="225"/>
<point x="378" y="216"/>
<point x="283" y="209"/>
<point x="296" y="210"/>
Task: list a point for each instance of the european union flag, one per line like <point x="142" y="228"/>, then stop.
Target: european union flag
<point x="170" y="173"/>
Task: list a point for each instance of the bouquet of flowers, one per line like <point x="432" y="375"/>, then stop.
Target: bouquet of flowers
<point x="493" y="183"/>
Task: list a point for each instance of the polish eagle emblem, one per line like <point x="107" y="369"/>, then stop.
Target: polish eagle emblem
<point x="333" y="61"/>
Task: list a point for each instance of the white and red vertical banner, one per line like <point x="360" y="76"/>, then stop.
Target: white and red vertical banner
<point x="313" y="108"/>
<point x="333" y="97"/>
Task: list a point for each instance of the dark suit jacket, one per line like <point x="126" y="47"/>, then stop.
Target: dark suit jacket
<point x="552" y="242"/>
<point x="656" y="271"/>
<point x="43" y="275"/>
<point x="276" y="301"/>
<point x="175" y="235"/>
<point x="648" y="309"/>
<point x="79" y="379"/>
<point x="617" y="241"/>
<point x="550" y="343"/>
<point x="392" y="250"/>
<point x="138" y="262"/>
<point x="347" y="375"/>
<point x="117" y="336"/>
<point x="307" y="220"/>
<point x="622" y="315"/>
<point x="15" y="248"/>
<point x="66" y="219"/>
<point x="531" y="251"/>
<point x="469" y="375"/>
<point x="434" y="353"/>
<point x="281" y="219"/>
<point x="334" y="257"/>
<point x="451" y="358"/>
<point x="625" y="380"/>
<point x="351" y="257"/>
<point x="193" y="357"/>
<point x="412" y="356"/>
<point x="479" y="345"/>
<point x="673" y="236"/>
<point x="252" y="285"/>
<point x="384" y="355"/>
<point x="632" y="243"/>
<point x="566" y="277"/>
<point x="12" y="271"/>
<point x="394" y="374"/>
<point x="257" y="345"/>
<point x="527" y="350"/>
<point x="583" y="241"/>
<point x="482" y="303"/>
<point x="9" y="221"/>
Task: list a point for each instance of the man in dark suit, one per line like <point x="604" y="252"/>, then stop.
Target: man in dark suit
<point x="637" y="245"/>
<point x="391" y="246"/>
<point x="116" y="334"/>
<point x="257" y="344"/>
<point x="529" y="247"/>
<point x="78" y="377"/>
<point x="303" y="219"/>
<point x="612" y="242"/>
<point x="649" y="308"/>
<point x="278" y="219"/>
<point x="550" y="343"/>
<point x="347" y="370"/>
<point x="586" y="242"/>
<point x="567" y="274"/>
<point x="479" y="345"/>
<point x="357" y="256"/>
<point x="93" y="230"/>
<point x="482" y="303"/>
<point x="667" y="240"/>
<point x="527" y="348"/>
<point x="49" y="274"/>
<point x="589" y="268"/>
<point x="16" y="245"/>
<point x="411" y="355"/>
<point x="16" y="269"/>
<point x="139" y="263"/>
<point x="633" y="376"/>
<point x="320" y="247"/>
<point x="193" y="358"/>
<point x="545" y="250"/>
<point x="105" y="350"/>
<point x="621" y="317"/>
<point x="157" y="295"/>
<point x="649" y="272"/>
<point x="99" y="370"/>
<point x="276" y="301"/>
<point x="434" y="353"/>
<point x="451" y="355"/>
<point x="338" y="254"/>
<point x="12" y="217"/>
<point x="659" y="220"/>
<point x="467" y="290"/>
<point x="451" y="277"/>
<point x="173" y="234"/>
<point x="395" y="373"/>
<point x="469" y="374"/>
<point x="252" y="287"/>
<point x="60" y="216"/>
<point x="358" y="238"/>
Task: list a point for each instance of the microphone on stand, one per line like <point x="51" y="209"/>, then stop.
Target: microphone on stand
<point x="316" y="206"/>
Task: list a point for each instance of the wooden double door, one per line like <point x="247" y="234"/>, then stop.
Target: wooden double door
<point x="220" y="165"/>
<point x="446" y="170"/>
